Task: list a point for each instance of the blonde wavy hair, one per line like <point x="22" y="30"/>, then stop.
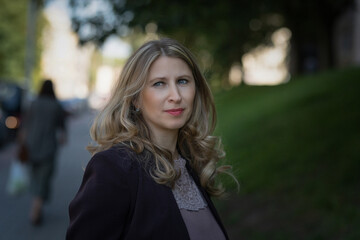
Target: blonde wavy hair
<point x="119" y="122"/>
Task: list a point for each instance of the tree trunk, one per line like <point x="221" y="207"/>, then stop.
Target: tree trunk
<point x="30" y="48"/>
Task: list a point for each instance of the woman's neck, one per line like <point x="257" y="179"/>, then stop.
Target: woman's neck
<point x="167" y="140"/>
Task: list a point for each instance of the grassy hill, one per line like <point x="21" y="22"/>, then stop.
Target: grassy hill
<point x="295" y="148"/>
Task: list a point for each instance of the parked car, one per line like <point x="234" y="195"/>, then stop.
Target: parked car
<point x="3" y="128"/>
<point x="10" y="110"/>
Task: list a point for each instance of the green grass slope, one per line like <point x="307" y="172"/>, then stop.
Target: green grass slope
<point x="295" y="149"/>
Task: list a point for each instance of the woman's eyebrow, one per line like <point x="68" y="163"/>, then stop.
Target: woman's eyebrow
<point x="156" y="79"/>
<point x="165" y="78"/>
<point x="185" y="75"/>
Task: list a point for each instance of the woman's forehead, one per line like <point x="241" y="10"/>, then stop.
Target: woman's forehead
<point x="169" y="66"/>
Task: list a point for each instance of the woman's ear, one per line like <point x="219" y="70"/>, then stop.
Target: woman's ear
<point x="136" y="103"/>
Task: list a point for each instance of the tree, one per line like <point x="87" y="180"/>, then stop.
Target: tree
<point x="313" y="23"/>
<point x="223" y="30"/>
<point x="12" y="16"/>
<point x="14" y="29"/>
<point x="212" y="29"/>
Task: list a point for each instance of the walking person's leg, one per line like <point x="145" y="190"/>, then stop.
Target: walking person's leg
<point x="41" y="176"/>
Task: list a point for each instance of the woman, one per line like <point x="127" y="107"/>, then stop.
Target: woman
<point x="154" y="166"/>
<point x="43" y="130"/>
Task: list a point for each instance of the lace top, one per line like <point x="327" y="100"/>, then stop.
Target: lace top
<point x="186" y="193"/>
<point x="199" y="220"/>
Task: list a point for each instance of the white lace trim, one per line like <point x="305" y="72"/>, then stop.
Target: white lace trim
<point x="186" y="193"/>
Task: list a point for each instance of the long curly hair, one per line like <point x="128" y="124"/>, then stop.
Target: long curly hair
<point x="118" y="122"/>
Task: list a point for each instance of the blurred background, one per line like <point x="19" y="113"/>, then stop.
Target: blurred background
<point x="286" y="79"/>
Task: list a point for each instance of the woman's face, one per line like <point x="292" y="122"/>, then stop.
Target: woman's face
<point x="166" y="102"/>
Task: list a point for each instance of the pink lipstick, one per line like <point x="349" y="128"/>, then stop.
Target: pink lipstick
<point x="175" y="111"/>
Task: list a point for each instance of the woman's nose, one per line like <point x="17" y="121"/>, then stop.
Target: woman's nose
<point x="174" y="94"/>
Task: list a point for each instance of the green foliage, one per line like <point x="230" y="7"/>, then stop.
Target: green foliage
<point x="297" y="143"/>
<point x="12" y="38"/>
<point x="213" y="30"/>
<point x="218" y="32"/>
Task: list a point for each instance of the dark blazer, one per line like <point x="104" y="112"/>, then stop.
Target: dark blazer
<point x="119" y="200"/>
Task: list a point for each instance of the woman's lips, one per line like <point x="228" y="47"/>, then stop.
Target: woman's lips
<point x="175" y="112"/>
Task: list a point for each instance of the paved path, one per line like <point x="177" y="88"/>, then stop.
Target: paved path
<point x="14" y="211"/>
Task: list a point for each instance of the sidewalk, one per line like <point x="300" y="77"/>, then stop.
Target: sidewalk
<point x="14" y="211"/>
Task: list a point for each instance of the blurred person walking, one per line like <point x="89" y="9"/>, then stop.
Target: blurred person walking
<point x="154" y="165"/>
<point x="43" y="130"/>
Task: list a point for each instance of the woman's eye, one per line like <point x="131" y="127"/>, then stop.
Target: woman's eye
<point x="183" y="81"/>
<point x="157" y="84"/>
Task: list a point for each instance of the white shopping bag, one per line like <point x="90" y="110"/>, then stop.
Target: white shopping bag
<point x="18" y="179"/>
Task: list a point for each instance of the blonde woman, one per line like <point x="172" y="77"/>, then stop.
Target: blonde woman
<point x="154" y="166"/>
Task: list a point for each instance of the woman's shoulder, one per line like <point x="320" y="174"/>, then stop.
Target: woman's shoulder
<point x="116" y="157"/>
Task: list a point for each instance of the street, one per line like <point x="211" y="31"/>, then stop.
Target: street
<point x="71" y="161"/>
